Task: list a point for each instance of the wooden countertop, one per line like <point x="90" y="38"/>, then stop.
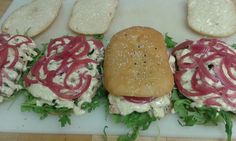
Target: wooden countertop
<point x="79" y="137"/>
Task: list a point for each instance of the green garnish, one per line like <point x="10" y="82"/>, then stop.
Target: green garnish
<point x="227" y="116"/>
<point x="45" y="110"/>
<point x="26" y="33"/>
<point x="169" y="41"/>
<point x="91" y="52"/>
<point x="136" y="122"/>
<point x="64" y="119"/>
<point x="204" y="115"/>
<point x="40" y="53"/>
<point x="97" y="100"/>
<point x="98" y="36"/>
<point x="233" y="46"/>
<point x="100" y="68"/>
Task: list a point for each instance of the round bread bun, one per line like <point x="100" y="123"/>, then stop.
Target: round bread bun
<point x="215" y="18"/>
<point x="136" y="64"/>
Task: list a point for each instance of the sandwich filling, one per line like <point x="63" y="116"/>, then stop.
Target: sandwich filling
<point x="68" y="74"/>
<point x="207" y="73"/>
<point x="15" y="52"/>
<point x="159" y="107"/>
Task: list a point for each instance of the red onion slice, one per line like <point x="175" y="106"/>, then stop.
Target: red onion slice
<point x="203" y="53"/>
<point x="71" y="58"/>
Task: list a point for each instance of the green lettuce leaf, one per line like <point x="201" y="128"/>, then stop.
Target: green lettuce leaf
<point x="30" y="105"/>
<point x="203" y="115"/>
<point x="136" y="122"/>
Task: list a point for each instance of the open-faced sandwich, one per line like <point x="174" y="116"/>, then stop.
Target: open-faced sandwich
<point x="138" y="77"/>
<point x="206" y="82"/>
<point x="66" y="78"/>
<point x="15" y="53"/>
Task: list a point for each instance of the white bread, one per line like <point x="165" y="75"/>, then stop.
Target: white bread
<point x="136" y="64"/>
<point x="34" y="17"/>
<point x="92" y="16"/>
<point x="215" y="18"/>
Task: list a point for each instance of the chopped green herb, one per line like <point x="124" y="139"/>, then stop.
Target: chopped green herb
<point x="234" y="46"/>
<point x="97" y="100"/>
<point x="91" y="52"/>
<point x="76" y="101"/>
<point x="169" y="41"/>
<point x="100" y="68"/>
<point x="99" y="36"/>
<point x="204" y="115"/>
<point x="40" y="53"/>
<point x="90" y="66"/>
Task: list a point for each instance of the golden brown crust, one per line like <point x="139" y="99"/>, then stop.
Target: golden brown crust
<point x="136" y="64"/>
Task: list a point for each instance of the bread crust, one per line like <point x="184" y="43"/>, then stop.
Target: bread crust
<point x="215" y="18"/>
<point x="92" y="16"/>
<point x="136" y="64"/>
<point x="26" y="18"/>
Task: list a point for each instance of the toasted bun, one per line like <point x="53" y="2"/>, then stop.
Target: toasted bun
<point x="34" y="17"/>
<point x="212" y="17"/>
<point x="136" y="64"/>
<point x="92" y="16"/>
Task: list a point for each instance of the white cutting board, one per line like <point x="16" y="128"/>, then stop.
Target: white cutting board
<point x="165" y="16"/>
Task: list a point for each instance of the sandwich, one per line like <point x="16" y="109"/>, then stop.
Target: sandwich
<point x="205" y="80"/>
<point x="138" y="77"/>
<point x="92" y="16"/>
<point x="215" y="18"/>
<point x="16" y="51"/>
<point x="66" y="78"/>
<point x="33" y="17"/>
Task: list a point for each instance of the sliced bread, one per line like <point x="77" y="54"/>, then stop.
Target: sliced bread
<point x="32" y="18"/>
<point x="212" y="17"/>
<point x="92" y="16"/>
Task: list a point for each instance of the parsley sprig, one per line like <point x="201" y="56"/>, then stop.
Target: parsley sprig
<point x="169" y="41"/>
<point x="204" y="115"/>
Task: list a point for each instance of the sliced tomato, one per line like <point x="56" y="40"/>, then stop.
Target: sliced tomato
<point x="139" y="100"/>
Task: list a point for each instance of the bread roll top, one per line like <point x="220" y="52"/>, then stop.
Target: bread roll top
<point x="32" y="18"/>
<point x="136" y="64"/>
<point x="215" y="18"/>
